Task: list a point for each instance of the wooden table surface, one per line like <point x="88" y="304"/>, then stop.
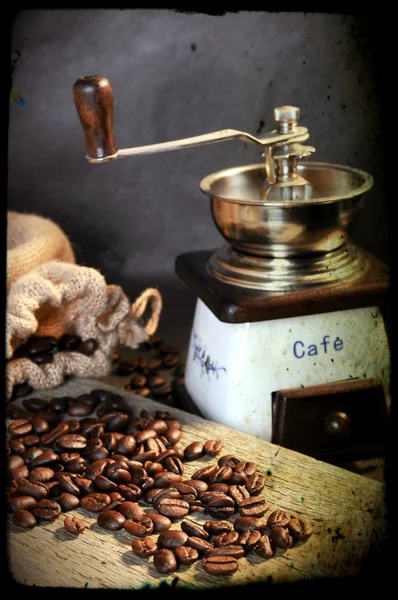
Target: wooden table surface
<point x="348" y="512"/>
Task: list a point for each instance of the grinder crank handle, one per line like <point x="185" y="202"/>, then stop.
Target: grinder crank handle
<point x="94" y="103"/>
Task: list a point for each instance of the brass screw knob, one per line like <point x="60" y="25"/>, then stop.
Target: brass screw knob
<point x="286" y="117"/>
<point x="287" y="113"/>
<point x="338" y="424"/>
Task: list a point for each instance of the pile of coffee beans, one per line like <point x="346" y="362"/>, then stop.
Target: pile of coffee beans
<point x="41" y="351"/>
<point x="116" y="464"/>
<point x="156" y="371"/>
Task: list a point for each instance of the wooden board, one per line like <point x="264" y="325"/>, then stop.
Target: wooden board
<point x="347" y="510"/>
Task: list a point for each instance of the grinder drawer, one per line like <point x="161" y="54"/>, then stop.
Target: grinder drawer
<point x="346" y="419"/>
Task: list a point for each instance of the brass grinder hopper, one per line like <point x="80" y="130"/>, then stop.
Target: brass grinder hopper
<point x="287" y="222"/>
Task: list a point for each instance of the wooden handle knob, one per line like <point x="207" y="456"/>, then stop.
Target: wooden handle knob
<point x="94" y="104"/>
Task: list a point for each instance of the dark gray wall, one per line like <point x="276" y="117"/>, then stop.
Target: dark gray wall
<point x="178" y="75"/>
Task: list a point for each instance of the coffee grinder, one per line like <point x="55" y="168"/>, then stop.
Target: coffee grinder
<point x="289" y="340"/>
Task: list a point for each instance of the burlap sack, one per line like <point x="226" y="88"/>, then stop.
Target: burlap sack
<point x="48" y="294"/>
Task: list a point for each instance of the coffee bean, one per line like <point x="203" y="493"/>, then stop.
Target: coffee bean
<point x="196" y="506"/>
<point x="239" y="478"/>
<point x="170" y="361"/>
<point x="42" y="358"/>
<point x="144" y="548"/>
<point x="104" y="484"/>
<point x="49" y="438"/>
<point x="42" y="459"/>
<point x="248" y="467"/>
<point x="200" y="545"/>
<point x="68" y="501"/>
<point x="300" y="529"/>
<point x="169" y="492"/>
<point x="40" y="426"/>
<point x="159" y="425"/>
<point x="79" y="410"/>
<point x="263" y="547"/>
<point x="219" y="487"/>
<point x="115" y="420"/>
<point x="186" y="555"/>
<point x="111" y="520"/>
<point x="19" y="428"/>
<point x="59" y="405"/>
<point x="281" y="538"/>
<point x="205" y="473"/>
<point x="46" y="510"/>
<point x="116" y="496"/>
<point x="171" y="538"/>
<point x="220" y="565"/>
<point x="214" y="527"/>
<point x="242" y="524"/>
<point x="21" y="390"/>
<point x="140" y="526"/>
<point x="138" y="381"/>
<point x="212" y="448"/>
<point x="74" y="463"/>
<point x="72" y="441"/>
<point x="160" y="522"/>
<point x="118" y="473"/>
<point x="28" y="488"/>
<point x="174" y="508"/>
<point x="173" y="435"/>
<point x="95" y="502"/>
<point x="145" y="392"/>
<point x="30" y="440"/>
<point x="166" y="479"/>
<point x="193" y="451"/>
<point x="155" y="364"/>
<point x="228" y="460"/>
<point x="255" y="484"/>
<point x="131" y="510"/>
<point x="164" y="561"/>
<point x="16" y="447"/>
<point x="238" y="493"/>
<point x="14" y="461"/>
<point x="41" y="474"/>
<point x="155" y="381"/>
<point x="222" y="475"/>
<point x="20" y="472"/>
<point x="74" y="525"/>
<point x="278" y="518"/>
<point x="174" y="465"/>
<point x="69" y="342"/>
<point x="95" y="468"/>
<point x="249" y="539"/>
<point x="255" y="506"/>
<point x="23" y="518"/>
<point x="22" y="503"/>
<point x="231" y="550"/>
<point x="220" y="508"/>
<point x="187" y="492"/>
<point x="130" y="491"/>
<point x="225" y="539"/>
<point x="194" y="530"/>
<point x="162" y="392"/>
<point x="126" y="445"/>
<point x="67" y="485"/>
<point x="37" y="345"/>
<point x="101" y="395"/>
<point x="199" y="485"/>
<point x="35" y="404"/>
<point x="88" y="347"/>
